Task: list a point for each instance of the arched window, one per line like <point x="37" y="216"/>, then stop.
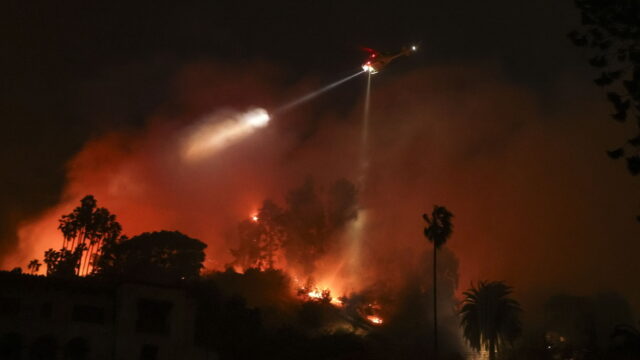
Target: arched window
<point x="76" y="349"/>
<point x="44" y="348"/>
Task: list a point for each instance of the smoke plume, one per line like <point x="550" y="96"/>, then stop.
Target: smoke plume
<point x="521" y="181"/>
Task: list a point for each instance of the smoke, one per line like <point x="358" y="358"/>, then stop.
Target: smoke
<point x="522" y="178"/>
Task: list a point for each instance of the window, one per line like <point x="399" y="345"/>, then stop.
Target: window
<point x="88" y="314"/>
<point x="149" y="352"/>
<point x="153" y="316"/>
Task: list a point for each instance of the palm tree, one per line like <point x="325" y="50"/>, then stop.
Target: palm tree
<point x="34" y="266"/>
<point x="84" y="231"/>
<point x="438" y="231"/>
<point x="490" y="318"/>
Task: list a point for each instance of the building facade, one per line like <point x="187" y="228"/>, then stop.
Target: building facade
<point x="82" y="319"/>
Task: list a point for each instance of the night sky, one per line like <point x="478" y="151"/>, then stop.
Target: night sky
<point x="517" y="150"/>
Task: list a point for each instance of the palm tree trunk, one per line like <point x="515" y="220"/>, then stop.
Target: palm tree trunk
<point x="76" y="240"/>
<point x="492" y="350"/>
<point x="86" y="259"/>
<point x="94" y="246"/>
<point x="80" y="240"/>
<point x="97" y="252"/>
<point x="72" y="242"/>
<point x="435" y="305"/>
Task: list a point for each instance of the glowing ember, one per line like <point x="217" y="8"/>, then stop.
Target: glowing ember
<point x="254" y="218"/>
<point x="376" y="320"/>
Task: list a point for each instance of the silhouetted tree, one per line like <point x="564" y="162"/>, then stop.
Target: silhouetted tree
<point x="106" y="264"/>
<point x="160" y="256"/>
<point x="106" y="228"/>
<point x="84" y="230"/>
<point x="611" y="31"/>
<point x="260" y="238"/>
<point x="490" y="318"/>
<point x="248" y="254"/>
<point x="438" y="231"/>
<point x="272" y="232"/>
<point x="34" y="266"/>
<point x="304" y="229"/>
<point x="63" y="263"/>
<point x="306" y="225"/>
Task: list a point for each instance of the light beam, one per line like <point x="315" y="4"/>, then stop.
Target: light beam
<point x="314" y="94"/>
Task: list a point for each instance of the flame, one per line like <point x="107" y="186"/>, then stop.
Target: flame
<point x="318" y="294"/>
<point x="376" y="320"/>
<point x="315" y="294"/>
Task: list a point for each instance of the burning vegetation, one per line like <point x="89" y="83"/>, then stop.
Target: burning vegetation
<point x="295" y="269"/>
<point x="270" y="288"/>
<point x="298" y="234"/>
<point x="268" y="296"/>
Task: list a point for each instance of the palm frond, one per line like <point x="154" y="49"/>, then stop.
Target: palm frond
<point x="490" y="316"/>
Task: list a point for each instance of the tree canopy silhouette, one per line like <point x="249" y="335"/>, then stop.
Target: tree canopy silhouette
<point x="611" y="32"/>
<point x="34" y="266"/>
<point x="490" y="317"/>
<point x="84" y="230"/>
<point x="160" y="256"/>
<point x="303" y="228"/>
<point x="260" y="238"/>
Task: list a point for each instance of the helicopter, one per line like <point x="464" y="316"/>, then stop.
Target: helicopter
<point x="377" y="61"/>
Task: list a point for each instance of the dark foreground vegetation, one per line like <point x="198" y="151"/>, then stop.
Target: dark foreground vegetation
<point x="100" y="285"/>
